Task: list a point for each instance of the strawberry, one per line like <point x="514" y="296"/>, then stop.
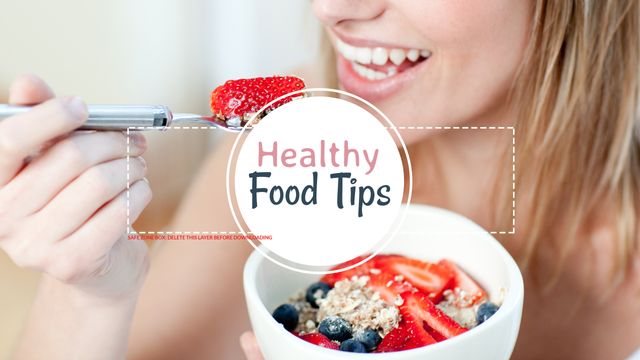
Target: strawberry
<point x="239" y="98"/>
<point x="363" y="269"/>
<point x="320" y="340"/>
<point x="418" y="306"/>
<point x="473" y="292"/>
<point x="430" y="278"/>
<point x="388" y="287"/>
<point x="408" y="335"/>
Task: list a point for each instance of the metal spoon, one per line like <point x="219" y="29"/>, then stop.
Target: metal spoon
<point x="138" y="117"/>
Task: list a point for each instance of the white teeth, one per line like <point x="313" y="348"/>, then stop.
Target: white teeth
<point x="363" y="55"/>
<point x="413" y="55"/>
<point x="360" y="56"/>
<point x="349" y="52"/>
<point x="397" y="56"/>
<point x="380" y="56"/>
<point x="367" y="73"/>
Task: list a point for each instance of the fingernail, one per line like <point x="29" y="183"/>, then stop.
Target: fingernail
<point x="142" y="161"/>
<point x="244" y="343"/>
<point x="78" y="108"/>
<point x="139" y="141"/>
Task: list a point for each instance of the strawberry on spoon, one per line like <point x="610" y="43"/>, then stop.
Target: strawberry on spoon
<point x="236" y="101"/>
<point x="233" y="104"/>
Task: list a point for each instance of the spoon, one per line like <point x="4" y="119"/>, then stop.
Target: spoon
<point x="139" y="117"/>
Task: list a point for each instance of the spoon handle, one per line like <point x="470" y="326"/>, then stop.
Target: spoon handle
<point x="111" y="117"/>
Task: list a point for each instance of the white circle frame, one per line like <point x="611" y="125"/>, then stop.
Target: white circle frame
<point x="399" y="220"/>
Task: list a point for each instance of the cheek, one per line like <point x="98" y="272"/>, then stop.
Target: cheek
<point x="477" y="47"/>
<point x="491" y="37"/>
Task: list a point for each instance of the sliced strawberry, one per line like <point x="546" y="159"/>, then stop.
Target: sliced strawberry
<point x="363" y="269"/>
<point x="408" y="335"/>
<point x="430" y="278"/>
<point x="388" y="287"/>
<point x="320" y="340"/>
<point x="437" y="323"/>
<point x="474" y="293"/>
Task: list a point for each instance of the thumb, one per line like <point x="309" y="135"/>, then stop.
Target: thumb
<point x="29" y="90"/>
<point x="250" y="346"/>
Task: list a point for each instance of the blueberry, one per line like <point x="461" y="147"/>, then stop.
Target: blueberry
<point x="335" y="328"/>
<point x="287" y="315"/>
<point x="369" y="338"/>
<point x="353" y="346"/>
<point x="485" y="311"/>
<point x="315" y="291"/>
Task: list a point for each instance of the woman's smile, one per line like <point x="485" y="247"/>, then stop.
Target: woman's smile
<point x="376" y="70"/>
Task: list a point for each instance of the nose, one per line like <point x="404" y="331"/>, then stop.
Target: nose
<point x="333" y="12"/>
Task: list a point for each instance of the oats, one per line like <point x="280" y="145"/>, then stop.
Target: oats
<point x="398" y="278"/>
<point x="458" y="297"/>
<point x="306" y="313"/>
<point x="310" y="326"/>
<point x="375" y="271"/>
<point x="465" y="316"/>
<point x="362" y="307"/>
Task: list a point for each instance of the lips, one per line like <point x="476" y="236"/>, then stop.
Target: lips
<point x="376" y="72"/>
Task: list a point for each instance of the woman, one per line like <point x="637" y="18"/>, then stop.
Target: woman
<point x="564" y="73"/>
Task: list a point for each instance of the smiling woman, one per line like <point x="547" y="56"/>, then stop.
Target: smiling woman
<point x="562" y="74"/>
<point x="467" y="53"/>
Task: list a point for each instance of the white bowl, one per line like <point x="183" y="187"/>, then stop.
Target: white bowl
<point x="427" y="233"/>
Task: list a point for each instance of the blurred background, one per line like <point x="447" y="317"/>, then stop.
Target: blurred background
<point x="167" y="52"/>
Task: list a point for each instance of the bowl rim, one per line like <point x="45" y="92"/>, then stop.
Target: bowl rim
<point x="512" y="301"/>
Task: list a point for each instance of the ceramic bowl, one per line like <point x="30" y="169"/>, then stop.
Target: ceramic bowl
<point x="427" y="233"/>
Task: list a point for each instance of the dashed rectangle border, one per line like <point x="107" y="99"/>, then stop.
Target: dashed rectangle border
<point x="513" y="174"/>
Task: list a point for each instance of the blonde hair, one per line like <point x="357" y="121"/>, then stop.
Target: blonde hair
<point x="577" y="136"/>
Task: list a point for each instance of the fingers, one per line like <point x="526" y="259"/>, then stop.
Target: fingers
<point x="23" y="134"/>
<point x="29" y="90"/>
<point x="86" y="251"/>
<point x="250" y="346"/>
<point x="111" y="220"/>
<point x="89" y="192"/>
<point x="75" y="155"/>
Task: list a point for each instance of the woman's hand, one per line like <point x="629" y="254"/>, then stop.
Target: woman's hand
<point x="250" y="346"/>
<point x="63" y="201"/>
